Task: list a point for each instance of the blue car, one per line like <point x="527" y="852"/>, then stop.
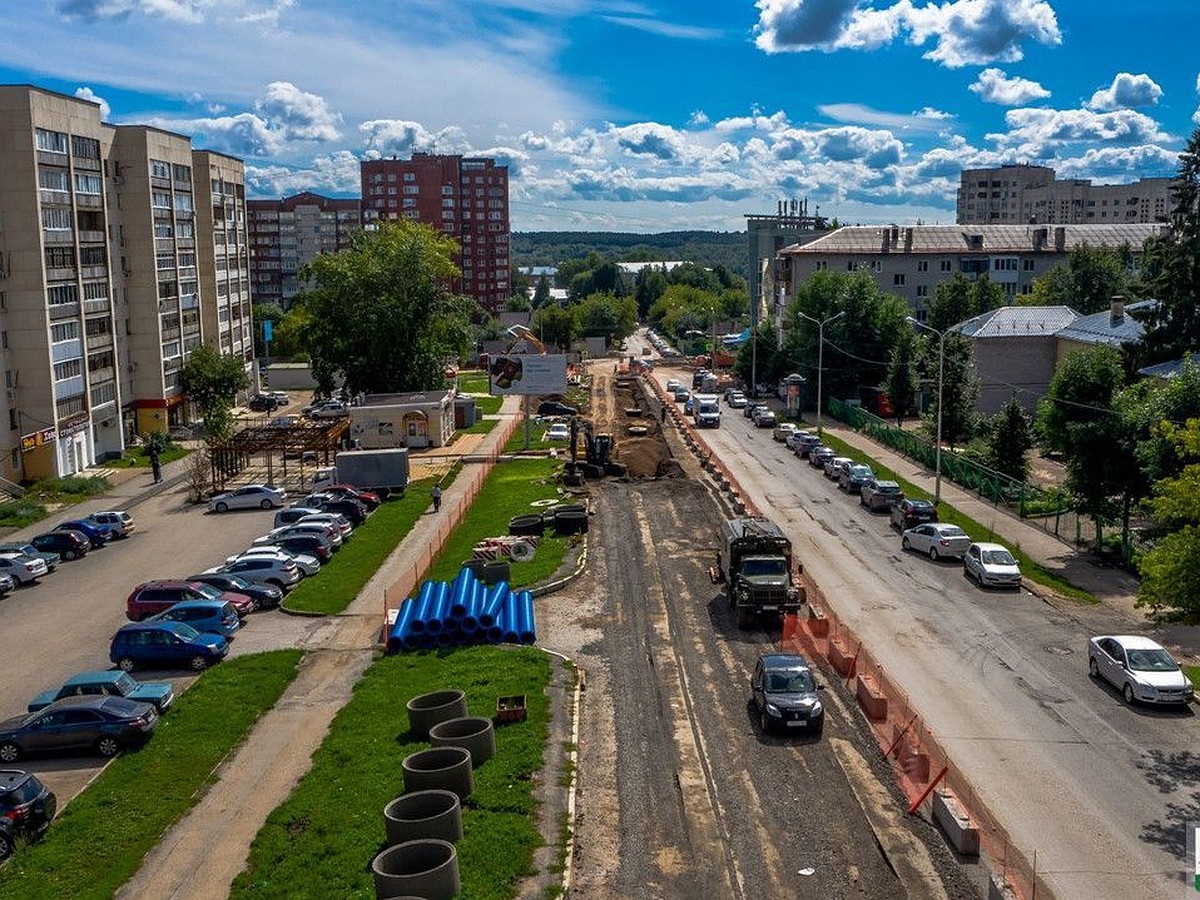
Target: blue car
<point x="98" y="535"/>
<point x="165" y="645"/>
<point x="209" y="616"/>
<point x="112" y="682"/>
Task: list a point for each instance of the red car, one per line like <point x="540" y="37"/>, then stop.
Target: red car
<point x="369" y="498"/>
<point x="153" y="597"/>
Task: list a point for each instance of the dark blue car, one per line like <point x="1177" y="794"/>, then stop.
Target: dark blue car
<point x="98" y="535"/>
<point x="165" y="645"/>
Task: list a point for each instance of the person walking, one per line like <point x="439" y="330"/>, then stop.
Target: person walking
<point x="662" y="414"/>
<point x="436" y="493"/>
<point x="155" y="463"/>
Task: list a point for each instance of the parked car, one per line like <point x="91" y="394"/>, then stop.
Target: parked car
<point x="209" y="616"/>
<point x="67" y="544"/>
<point x="263" y="596"/>
<point x="673" y="385"/>
<point x="908" y="513"/>
<point x="111" y="682"/>
<point x="354" y="510"/>
<point x="25" y="549"/>
<point x="337" y="520"/>
<point x="21" y="568"/>
<point x="283" y="422"/>
<point x="152" y="597"/>
<point x="295" y="513"/>
<point x="102" y="724"/>
<point x="682" y="394"/>
<point x="165" y="645"/>
<point x="119" y="521"/>
<point x="835" y="465"/>
<point x="738" y="400"/>
<point x="764" y="418"/>
<point x="877" y="494"/>
<point x="252" y="496"/>
<point x="329" y="409"/>
<point x="938" y="539"/>
<point x="783" y="431"/>
<point x="991" y="564"/>
<point x="7" y="584"/>
<point x="27" y="808"/>
<point x="1139" y="668"/>
<point x="854" y="477"/>
<point x="559" y="431"/>
<point x="556" y="408"/>
<point x="307" y="544"/>
<point x="795" y="437"/>
<point x="819" y="455"/>
<point x="784" y="689"/>
<point x="369" y="499"/>
<point x="262" y="403"/>
<point x="801" y="446"/>
<point x="98" y="535"/>
<point x="275" y="569"/>
<point x="281" y="398"/>
<point x="330" y="532"/>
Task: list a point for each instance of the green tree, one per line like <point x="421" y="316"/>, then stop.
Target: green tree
<point x="1170" y="267"/>
<point x="694" y="275"/>
<point x="960" y="298"/>
<point x="603" y="315"/>
<point x="959" y="390"/>
<point x="761" y="356"/>
<point x="1171" y="569"/>
<point x="518" y="303"/>
<point x="649" y="285"/>
<point x="902" y="377"/>
<point x="265" y="312"/>
<point x="1088" y="281"/>
<point x="1010" y="440"/>
<point x="541" y="293"/>
<point x="380" y="314"/>
<point x="211" y="381"/>
<point x="555" y="327"/>
<point x="518" y="282"/>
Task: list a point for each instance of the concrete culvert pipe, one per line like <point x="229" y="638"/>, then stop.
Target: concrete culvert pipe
<point x="424" y="814"/>
<point x="474" y="734"/>
<point x="531" y="523"/>
<point x="425" y="868"/>
<point x="569" y="522"/>
<point x="440" y="769"/>
<point x="426" y="710"/>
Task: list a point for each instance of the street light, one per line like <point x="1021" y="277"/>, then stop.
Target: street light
<point x="937" y="451"/>
<point x="820" y="355"/>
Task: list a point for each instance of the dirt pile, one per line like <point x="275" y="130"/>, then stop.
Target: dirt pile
<point x="621" y="407"/>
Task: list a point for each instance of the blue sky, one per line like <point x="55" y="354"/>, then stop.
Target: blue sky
<point x="643" y="115"/>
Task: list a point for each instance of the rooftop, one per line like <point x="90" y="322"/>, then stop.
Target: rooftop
<point x="965" y="239"/>
<point x="1018" y="321"/>
<point x="1106" y="327"/>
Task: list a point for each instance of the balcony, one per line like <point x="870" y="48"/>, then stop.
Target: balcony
<point x="89" y="201"/>
<point x="96" y="306"/>
<point x="105" y="373"/>
<point x="99" y="341"/>
<point x="64" y="311"/>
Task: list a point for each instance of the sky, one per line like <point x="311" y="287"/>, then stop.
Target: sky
<point x="642" y="115"/>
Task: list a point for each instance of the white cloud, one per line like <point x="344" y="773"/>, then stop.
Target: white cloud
<point x="86" y="93"/>
<point x="244" y="134"/>
<point x="664" y="29"/>
<point x="1037" y="133"/>
<point x="401" y="137"/>
<point x="650" y="139"/>
<point x="189" y="12"/>
<point x="335" y="173"/>
<point x="965" y="32"/>
<point x="996" y="86"/>
<point x="927" y="120"/>
<point x="1127" y="91"/>
<point x="698" y="119"/>
<point x="299" y="115"/>
<point x="1121" y="164"/>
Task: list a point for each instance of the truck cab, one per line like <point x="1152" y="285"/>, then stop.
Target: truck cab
<point x="759" y="582"/>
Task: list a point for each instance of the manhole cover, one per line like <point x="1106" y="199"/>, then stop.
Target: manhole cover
<point x="1059" y="651"/>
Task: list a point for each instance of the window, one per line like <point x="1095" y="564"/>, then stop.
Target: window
<point x="898" y="279"/>
<point x="1027" y="265"/>
<point x="60" y="294"/>
<point x="101" y="360"/>
<point x="164" y="261"/>
<point x="93" y="256"/>
<point x="87" y="183"/>
<point x="160" y="169"/>
<point x="72" y="368"/>
<point x="104" y="393"/>
<point x="56" y="219"/>
<point x="408" y="176"/>
<point x="98" y="326"/>
<point x="54" y="179"/>
<point x="181" y="173"/>
<point x="412" y="189"/>
<point x="64" y="331"/>
<point x="922" y="290"/>
<point x="923" y="265"/>
<point x="60" y="257"/>
<point x="183" y="203"/>
<point x="946" y="265"/>
<point x="51" y="141"/>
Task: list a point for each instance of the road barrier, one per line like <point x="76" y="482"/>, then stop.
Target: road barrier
<point x="919" y="764"/>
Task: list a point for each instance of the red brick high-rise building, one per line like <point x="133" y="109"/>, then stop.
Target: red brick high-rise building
<point x="463" y="197"/>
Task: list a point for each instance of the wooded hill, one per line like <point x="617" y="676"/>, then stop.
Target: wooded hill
<point x="707" y="248"/>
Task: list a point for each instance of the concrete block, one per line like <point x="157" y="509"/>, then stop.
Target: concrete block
<point x="840" y="658"/>
<point x="873" y="703"/>
<point x="998" y="889"/>
<point x="817" y="624"/>
<point x="957" y="825"/>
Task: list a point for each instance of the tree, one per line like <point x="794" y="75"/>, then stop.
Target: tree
<point x="767" y="362"/>
<point x="211" y="381"/>
<point x="541" y="293"/>
<point x="902" y="381"/>
<point x="554" y="326"/>
<point x="265" y="312"/>
<point x="960" y="298"/>
<point x="649" y="285"/>
<point x="603" y="315"/>
<point x="380" y="314"/>
<point x="1170" y="267"/>
<point x="959" y="390"/>
<point x="1087" y="283"/>
<point x="518" y="303"/>
<point x="1010" y="441"/>
<point x="1171" y="569"/>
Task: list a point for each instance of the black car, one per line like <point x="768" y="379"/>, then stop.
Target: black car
<point x="101" y="724"/>
<point x="262" y="403"/>
<point x="909" y="513"/>
<point x="819" y="455"/>
<point x="265" y="596"/>
<point x="26" y="808"/>
<point x="784" y="689"/>
<point x="67" y="544"/>
<point x="352" y="509"/>
<point x="555" y="408"/>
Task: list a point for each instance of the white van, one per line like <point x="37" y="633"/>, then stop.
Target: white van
<point x="706" y="411"/>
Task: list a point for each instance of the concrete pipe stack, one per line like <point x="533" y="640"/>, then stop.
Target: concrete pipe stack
<point x="462" y="612"/>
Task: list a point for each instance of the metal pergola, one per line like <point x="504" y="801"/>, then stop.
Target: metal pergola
<point x="308" y="437"/>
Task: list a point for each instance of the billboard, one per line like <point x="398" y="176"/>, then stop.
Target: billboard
<point x="528" y="374"/>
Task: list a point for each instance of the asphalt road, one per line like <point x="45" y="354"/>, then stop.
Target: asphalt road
<point x="1101" y="791"/>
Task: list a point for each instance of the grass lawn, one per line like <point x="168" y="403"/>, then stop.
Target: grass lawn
<point x="135" y="457"/>
<point x="1193" y="673"/>
<point x="947" y="513"/>
<point x="483" y="426"/>
<point x="98" y="842"/>
<point x="343" y="577"/>
<point x="57" y="492"/>
<point x="537" y="432"/>
<point x="320" y="842"/>
<point x="473" y="381"/>
<point x="489" y="405"/>
<point x="507" y="492"/>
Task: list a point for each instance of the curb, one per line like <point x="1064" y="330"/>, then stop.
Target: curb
<point x="573" y="759"/>
<point x="551" y="586"/>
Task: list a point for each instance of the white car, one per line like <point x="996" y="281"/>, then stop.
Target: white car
<point x="559" y="431"/>
<point x="784" y="430"/>
<point x="330" y="532"/>
<point x="992" y="564"/>
<point x="281" y="398"/>
<point x="937" y="539"/>
<point x="270" y="570"/>
<point x="119" y="521"/>
<point x="834" y="467"/>
<point x="308" y="565"/>
<point x="23" y="569"/>
<point x="1139" y="668"/>
<point x="294" y="514"/>
<point x="336" y="520"/>
<point x="252" y="496"/>
<point x="737" y="400"/>
<point x="673" y="385"/>
<point x="329" y="409"/>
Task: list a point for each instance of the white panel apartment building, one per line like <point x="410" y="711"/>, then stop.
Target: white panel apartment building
<point x="1022" y="195"/>
<point x="100" y="284"/>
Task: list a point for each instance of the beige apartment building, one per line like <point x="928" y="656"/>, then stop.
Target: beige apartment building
<point x="1024" y="194"/>
<point x="285" y="234"/>
<point x="101" y="284"/>
<point x="910" y="262"/>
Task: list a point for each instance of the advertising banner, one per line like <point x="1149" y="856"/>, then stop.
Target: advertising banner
<point x="528" y="374"/>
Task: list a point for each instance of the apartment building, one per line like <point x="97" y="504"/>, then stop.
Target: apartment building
<point x="285" y="234"/>
<point x="466" y="198"/>
<point x="910" y="262"/>
<point x="100" y="281"/>
<point x="1024" y="194"/>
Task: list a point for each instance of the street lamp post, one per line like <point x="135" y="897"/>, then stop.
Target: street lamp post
<point x="937" y="450"/>
<point x="820" y="356"/>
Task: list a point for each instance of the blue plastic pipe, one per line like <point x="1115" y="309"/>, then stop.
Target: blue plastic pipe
<point x="403" y="624"/>
<point x="460" y="594"/>
<point x="508" y="622"/>
<point x="497" y="599"/>
<point x="523" y="604"/>
<point x="470" y="620"/>
<point x="438" y="608"/>
<point x="424" y="601"/>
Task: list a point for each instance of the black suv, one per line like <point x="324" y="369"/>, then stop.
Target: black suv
<point x="784" y="688"/>
<point x="909" y="513"/>
<point x="555" y="408"/>
<point x="262" y="403"/>
<point x="26" y="808"/>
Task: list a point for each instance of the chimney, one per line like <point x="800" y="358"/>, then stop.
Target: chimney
<point x="1116" y="309"/>
<point x="908" y="238"/>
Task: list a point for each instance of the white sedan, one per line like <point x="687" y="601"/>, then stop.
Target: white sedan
<point x="991" y="564"/>
<point x="559" y="431"/>
<point x="783" y="431"/>
<point x="937" y="539"/>
<point x="1139" y="668"/>
<point x="252" y="496"/>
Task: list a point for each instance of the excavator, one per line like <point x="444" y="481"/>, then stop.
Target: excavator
<point x="598" y="453"/>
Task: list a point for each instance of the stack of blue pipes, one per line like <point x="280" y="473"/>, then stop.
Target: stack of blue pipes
<point x="461" y="612"/>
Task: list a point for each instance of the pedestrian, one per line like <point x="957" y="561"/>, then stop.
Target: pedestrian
<point x="155" y="464"/>
<point x="436" y="493"/>
<point x="662" y="414"/>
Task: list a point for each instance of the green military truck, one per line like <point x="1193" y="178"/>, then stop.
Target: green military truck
<point x="760" y="581"/>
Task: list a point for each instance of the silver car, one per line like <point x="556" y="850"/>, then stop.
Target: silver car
<point x="293" y="514"/>
<point x="119" y="521"/>
<point x="1139" y="668"/>
<point x="327" y="530"/>
<point x="308" y="565"/>
<point x="992" y="564"/>
<point x="834" y="467"/>
<point x="252" y="496"/>
<point x="937" y="539"/>
<point x="263" y="569"/>
<point x="23" y="569"/>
